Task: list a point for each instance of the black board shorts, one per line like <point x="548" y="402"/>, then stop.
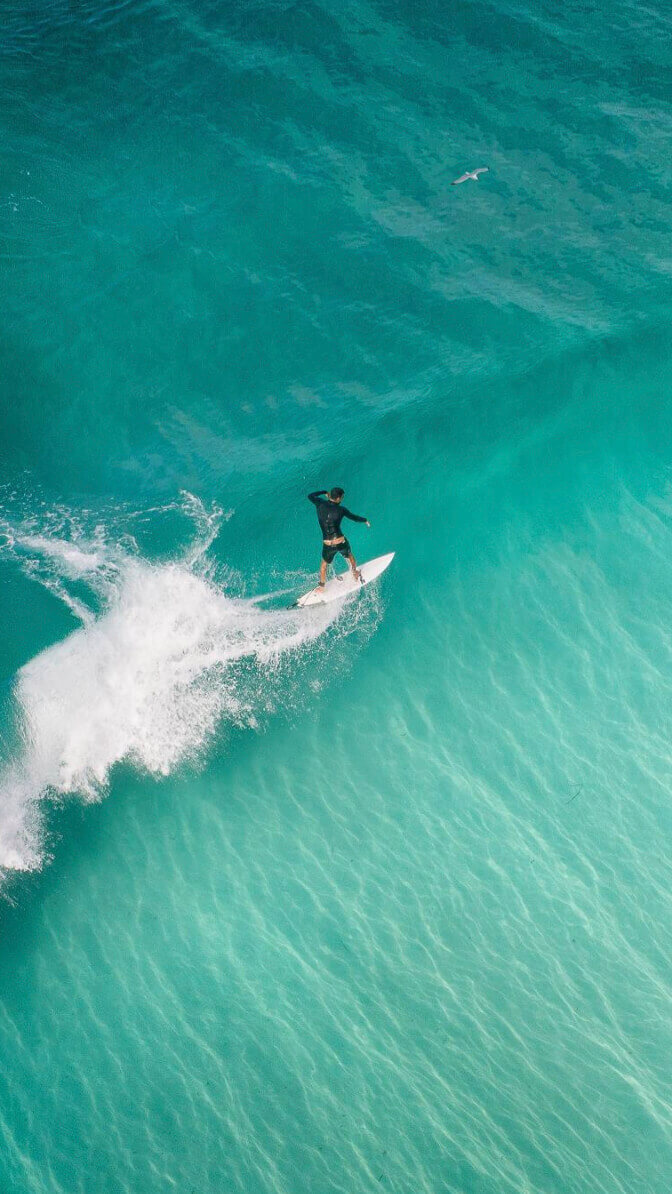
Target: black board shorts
<point x="330" y="551"/>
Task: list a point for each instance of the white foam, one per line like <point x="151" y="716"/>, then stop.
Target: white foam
<point x="73" y="560"/>
<point x="207" y="524"/>
<point x="145" y="681"/>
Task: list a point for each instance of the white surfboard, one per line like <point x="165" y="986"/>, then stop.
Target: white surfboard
<point x="345" y="584"/>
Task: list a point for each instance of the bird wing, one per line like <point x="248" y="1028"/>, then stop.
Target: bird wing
<point x="481" y="170"/>
<point x="462" y="178"/>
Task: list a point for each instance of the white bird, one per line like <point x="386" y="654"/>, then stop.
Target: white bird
<point x="471" y="174"/>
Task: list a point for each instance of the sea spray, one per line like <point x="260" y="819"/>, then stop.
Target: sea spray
<point x="163" y="654"/>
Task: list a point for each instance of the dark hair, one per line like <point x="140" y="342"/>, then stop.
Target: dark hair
<point x="336" y="493"/>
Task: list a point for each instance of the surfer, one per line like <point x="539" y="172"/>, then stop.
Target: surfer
<point x="330" y="514"/>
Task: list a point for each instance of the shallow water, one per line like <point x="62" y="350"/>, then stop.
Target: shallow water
<point x="377" y="897"/>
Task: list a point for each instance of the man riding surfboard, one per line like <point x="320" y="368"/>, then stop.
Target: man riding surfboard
<point x="330" y="514"/>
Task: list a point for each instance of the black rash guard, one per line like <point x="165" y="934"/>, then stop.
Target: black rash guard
<point x="330" y="514"/>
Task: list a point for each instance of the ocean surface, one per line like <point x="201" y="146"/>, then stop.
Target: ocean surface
<point x="377" y="897"/>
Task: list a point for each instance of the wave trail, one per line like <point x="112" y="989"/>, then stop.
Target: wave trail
<point x="146" y="681"/>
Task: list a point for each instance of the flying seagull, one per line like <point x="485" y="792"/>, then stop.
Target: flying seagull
<point x="471" y="174"/>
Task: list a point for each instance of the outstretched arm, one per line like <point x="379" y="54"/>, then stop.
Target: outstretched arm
<point x="313" y="497"/>
<point x="354" y="517"/>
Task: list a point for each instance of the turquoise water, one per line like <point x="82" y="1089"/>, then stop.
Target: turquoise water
<point x="376" y="898"/>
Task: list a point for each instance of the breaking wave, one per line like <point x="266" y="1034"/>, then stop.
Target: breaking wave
<point x="162" y="655"/>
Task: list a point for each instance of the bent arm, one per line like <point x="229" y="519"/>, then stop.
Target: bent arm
<point x="313" y="497"/>
<point x="354" y="517"/>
